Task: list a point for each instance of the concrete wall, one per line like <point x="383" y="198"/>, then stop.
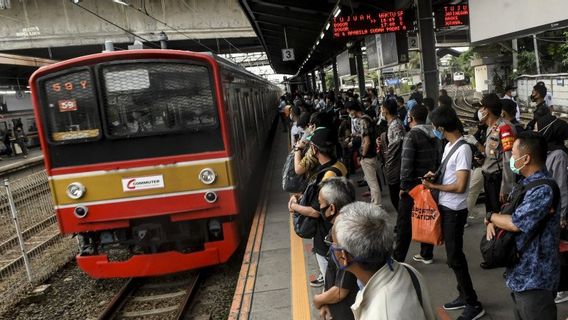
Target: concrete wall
<point x="556" y="84"/>
<point x="17" y="103"/>
<point x="54" y="23"/>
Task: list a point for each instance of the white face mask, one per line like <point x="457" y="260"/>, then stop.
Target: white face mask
<point x="481" y="116"/>
<point x="513" y="93"/>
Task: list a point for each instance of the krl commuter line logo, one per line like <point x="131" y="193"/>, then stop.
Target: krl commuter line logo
<point x="142" y="183"/>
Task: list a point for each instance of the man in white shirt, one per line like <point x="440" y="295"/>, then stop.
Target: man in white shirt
<point x="452" y="182"/>
<point x="362" y="243"/>
<point x="510" y="93"/>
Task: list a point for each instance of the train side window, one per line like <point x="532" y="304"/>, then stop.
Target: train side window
<point x="69" y="104"/>
<point x="151" y="98"/>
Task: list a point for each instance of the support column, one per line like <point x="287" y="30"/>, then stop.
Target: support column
<point x="428" y="48"/>
<point x="306" y="82"/>
<point x="322" y="79"/>
<point x="535" y="43"/>
<point x="314" y="86"/>
<point x="360" y="69"/>
<point x="335" y="77"/>
<point x="515" y="48"/>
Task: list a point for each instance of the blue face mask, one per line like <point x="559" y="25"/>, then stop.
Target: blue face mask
<point x="438" y="134"/>
<point x="332" y="250"/>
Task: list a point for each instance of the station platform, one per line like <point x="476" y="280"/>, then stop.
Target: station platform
<point x="13" y="164"/>
<point x="278" y="287"/>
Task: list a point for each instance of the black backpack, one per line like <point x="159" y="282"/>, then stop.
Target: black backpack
<point x="305" y="227"/>
<point x="501" y="250"/>
<point x="292" y="182"/>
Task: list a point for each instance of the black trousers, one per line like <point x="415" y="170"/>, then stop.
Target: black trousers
<point x="452" y="227"/>
<point x="492" y="186"/>
<point x="534" y="305"/>
<point x="403" y="228"/>
<point x="394" y="190"/>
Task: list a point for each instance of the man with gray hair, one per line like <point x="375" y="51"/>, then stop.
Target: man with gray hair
<point x="340" y="286"/>
<point x="362" y="244"/>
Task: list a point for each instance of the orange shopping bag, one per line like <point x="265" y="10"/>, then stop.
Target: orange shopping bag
<point x="426" y="219"/>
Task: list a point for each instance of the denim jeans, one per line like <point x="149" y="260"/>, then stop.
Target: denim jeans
<point x="452" y="228"/>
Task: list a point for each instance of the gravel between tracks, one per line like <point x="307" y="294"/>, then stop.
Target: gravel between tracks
<point x="72" y="295"/>
<point x="216" y="291"/>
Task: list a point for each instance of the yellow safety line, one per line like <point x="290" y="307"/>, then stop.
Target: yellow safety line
<point x="300" y="297"/>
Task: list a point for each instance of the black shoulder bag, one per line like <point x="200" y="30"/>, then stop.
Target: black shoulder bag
<point x="305" y="227"/>
<point x="439" y="175"/>
<point x="501" y="250"/>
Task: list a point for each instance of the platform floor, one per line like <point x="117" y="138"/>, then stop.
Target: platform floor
<point x="11" y="164"/>
<point x="281" y="289"/>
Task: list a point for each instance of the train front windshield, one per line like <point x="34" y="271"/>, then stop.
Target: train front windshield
<point x="129" y="110"/>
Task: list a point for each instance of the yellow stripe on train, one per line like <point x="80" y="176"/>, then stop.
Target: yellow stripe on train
<point x="153" y="180"/>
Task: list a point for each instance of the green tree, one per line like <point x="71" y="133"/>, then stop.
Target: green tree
<point x="526" y="62"/>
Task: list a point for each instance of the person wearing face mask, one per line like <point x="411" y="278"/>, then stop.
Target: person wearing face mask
<point x="534" y="279"/>
<point x="452" y="182"/>
<point x="367" y="134"/>
<point x="555" y="132"/>
<point x="541" y="109"/>
<point x="340" y="286"/>
<point x="322" y="144"/>
<point x="420" y="154"/>
<point x="510" y="93"/>
<point x="362" y="245"/>
<point x="391" y="148"/>
<point x="498" y="178"/>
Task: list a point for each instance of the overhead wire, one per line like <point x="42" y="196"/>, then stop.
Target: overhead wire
<point x="144" y="12"/>
<point x="148" y="42"/>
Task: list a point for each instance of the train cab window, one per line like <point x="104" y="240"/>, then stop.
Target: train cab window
<point x="70" y="108"/>
<point x="153" y="98"/>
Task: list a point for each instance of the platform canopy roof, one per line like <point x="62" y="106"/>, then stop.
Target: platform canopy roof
<point x="301" y="22"/>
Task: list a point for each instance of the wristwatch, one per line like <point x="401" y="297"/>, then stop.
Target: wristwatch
<point x="488" y="216"/>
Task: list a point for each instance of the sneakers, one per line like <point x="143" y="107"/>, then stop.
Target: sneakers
<point x="419" y="258"/>
<point x="316" y="282"/>
<point x="458" y="303"/>
<point x="472" y="313"/>
<point x="561" y="296"/>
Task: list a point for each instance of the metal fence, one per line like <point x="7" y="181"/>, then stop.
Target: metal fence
<point x="31" y="248"/>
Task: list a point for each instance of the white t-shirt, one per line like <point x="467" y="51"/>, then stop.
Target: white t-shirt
<point x="460" y="160"/>
<point x="295" y="130"/>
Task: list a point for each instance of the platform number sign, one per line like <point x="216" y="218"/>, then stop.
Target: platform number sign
<point x="413" y="43"/>
<point x="288" y="55"/>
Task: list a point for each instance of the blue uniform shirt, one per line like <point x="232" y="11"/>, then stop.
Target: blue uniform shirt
<point x="539" y="267"/>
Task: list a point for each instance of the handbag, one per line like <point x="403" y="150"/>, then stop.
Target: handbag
<point x="304" y="226"/>
<point x="501" y="250"/>
<point x="426" y="219"/>
<point x="292" y="182"/>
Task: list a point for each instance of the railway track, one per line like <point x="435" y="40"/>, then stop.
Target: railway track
<point x="166" y="297"/>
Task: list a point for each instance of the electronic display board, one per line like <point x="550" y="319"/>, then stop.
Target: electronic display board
<point x="364" y="24"/>
<point x="452" y="15"/>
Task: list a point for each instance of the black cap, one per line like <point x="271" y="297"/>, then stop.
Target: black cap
<point x="509" y="87"/>
<point x="323" y="138"/>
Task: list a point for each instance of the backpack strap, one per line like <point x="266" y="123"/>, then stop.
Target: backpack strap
<point x="415" y="284"/>
<point x="542" y="223"/>
<point x="332" y="168"/>
<point x="442" y="168"/>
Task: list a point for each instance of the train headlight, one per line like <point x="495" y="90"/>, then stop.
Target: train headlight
<point x="207" y="176"/>
<point x="76" y="190"/>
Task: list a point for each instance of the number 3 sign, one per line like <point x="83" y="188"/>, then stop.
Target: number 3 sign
<point x="288" y="55"/>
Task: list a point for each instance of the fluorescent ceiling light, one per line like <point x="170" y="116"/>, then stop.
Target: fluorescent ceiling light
<point x="120" y="2"/>
<point x="327" y="26"/>
<point x="322" y="35"/>
<point x="337" y="12"/>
